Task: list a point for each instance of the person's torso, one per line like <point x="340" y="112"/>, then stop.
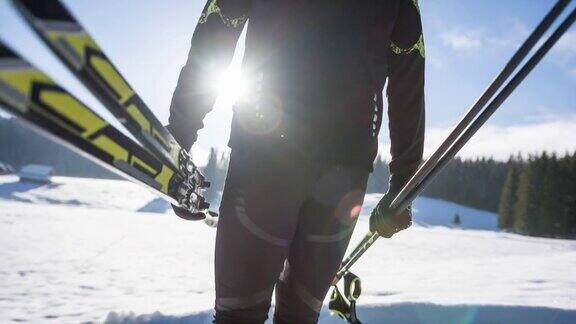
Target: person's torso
<point x="316" y="66"/>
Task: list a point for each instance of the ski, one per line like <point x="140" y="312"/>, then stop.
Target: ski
<point x="49" y="109"/>
<point x="74" y="46"/>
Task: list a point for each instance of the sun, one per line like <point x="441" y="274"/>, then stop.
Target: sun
<point x="231" y="85"/>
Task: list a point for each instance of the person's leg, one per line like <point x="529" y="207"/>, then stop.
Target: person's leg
<point x="258" y="218"/>
<point x="325" y="226"/>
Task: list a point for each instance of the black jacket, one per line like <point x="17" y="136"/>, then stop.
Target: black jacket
<point x="317" y="71"/>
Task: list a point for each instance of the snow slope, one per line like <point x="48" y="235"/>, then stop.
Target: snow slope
<point x="89" y="193"/>
<point x="435" y="212"/>
<point x="123" y="195"/>
<point x="80" y="251"/>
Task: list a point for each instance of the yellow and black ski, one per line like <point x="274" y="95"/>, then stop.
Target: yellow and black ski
<point x="66" y="37"/>
<point x="28" y="93"/>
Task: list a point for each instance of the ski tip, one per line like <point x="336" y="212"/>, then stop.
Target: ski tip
<point x="46" y="9"/>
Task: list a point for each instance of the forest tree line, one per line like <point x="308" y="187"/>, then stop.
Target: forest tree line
<point x="539" y="196"/>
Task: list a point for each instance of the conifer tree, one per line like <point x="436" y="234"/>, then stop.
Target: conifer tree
<point x="549" y="204"/>
<point x="456" y="221"/>
<point x="211" y="171"/>
<point x="524" y="194"/>
<point x="569" y="213"/>
<point x="378" y="181"/>
<point x="539" y="217"/>
<point x="508" y="197"/>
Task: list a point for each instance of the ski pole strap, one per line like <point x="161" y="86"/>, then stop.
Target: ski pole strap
<point x="352" y="286"/>
<point x="344" y="305"/>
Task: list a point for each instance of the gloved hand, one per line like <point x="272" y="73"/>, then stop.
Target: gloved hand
<point x="186" y="214"/>
<point x="384" y="222"/>
<point x="185" y="144"/>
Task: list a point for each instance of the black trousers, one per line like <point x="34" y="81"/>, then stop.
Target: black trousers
<point x="285" y="223"/>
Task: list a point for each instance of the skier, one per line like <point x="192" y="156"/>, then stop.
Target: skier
<point x="303" y="139"/>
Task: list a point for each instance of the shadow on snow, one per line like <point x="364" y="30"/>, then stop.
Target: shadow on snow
<point x="11" y="190"/>
<point x="395" y="313"/>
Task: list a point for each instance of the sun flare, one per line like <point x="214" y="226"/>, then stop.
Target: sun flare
<point x="231" y="85"/>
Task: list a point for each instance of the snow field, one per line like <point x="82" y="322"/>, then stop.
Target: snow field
<point x="78" y="251"/>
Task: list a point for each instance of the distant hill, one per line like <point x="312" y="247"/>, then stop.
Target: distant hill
<point x="19" y="146"/>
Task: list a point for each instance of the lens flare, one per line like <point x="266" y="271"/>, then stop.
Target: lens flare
<point x="355" y="211"/>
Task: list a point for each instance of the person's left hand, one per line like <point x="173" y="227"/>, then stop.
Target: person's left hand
<point x="384" y="222"/>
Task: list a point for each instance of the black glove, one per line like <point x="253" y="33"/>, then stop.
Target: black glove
<point x="384" y="222"/>
<point x="187" y="215"/>
<point x="185" y="145"/>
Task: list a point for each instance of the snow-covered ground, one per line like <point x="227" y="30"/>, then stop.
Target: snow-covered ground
<point x="101" y="250"/>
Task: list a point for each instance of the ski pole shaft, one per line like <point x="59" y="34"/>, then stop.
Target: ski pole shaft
<point x="496" y="84"/>
<point x="366" y="242"/>
<point x="358" y="246"/>
<point x="398" y="204"/>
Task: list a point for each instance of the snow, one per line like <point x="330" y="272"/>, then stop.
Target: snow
<point x="82" y="250"/>
<point x="36" y="173"/>
<point x="92" y="193"/>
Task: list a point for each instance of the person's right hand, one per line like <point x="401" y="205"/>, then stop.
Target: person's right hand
<point x="187" y="215"/>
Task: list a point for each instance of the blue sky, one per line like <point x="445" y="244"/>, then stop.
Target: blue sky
<point x="467" y="43"/>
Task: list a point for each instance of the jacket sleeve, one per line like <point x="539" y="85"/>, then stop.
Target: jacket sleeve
<point x="213" y="45"/>
<point x="405" y="94"/>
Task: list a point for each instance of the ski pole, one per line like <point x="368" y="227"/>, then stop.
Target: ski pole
<point x="491" y="108"/>
<point x="481" y="102"/>
<point x="510" y="66"/>
<point x="413" y="187"/>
